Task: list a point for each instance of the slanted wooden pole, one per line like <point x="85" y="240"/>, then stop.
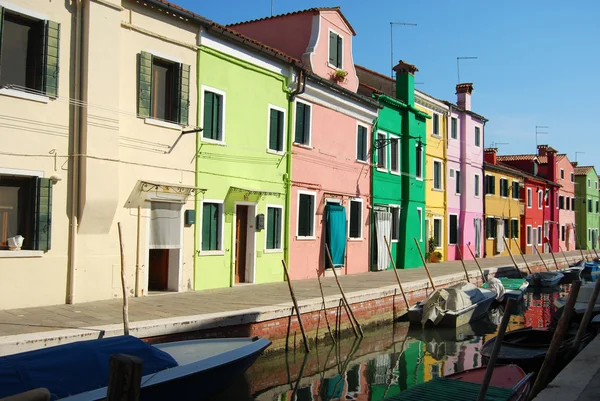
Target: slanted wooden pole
<point x="495" y="351"/>
<point x="325" y="307"/>
<point x="38" y="394"/>
<point x="463" y="263"/>
<point x="387" y="244"/>
<point x="425" y="264"/>
<point x="585" y="320"/>
<point x="555" y="344"/>
<point x="564" y="256"/>
<point x="124" y="378"/>
<point x="287" y="277"/>
<point x="513" y="258"/>
<point x="595" y="252"/>
<point x="123" y="285"/>
<point x="346" y="304"/>
<point x="477" y="262"/>
<point x="540" y="255"/>
<point x="552" y="253"/>
<point x="522" y="255"/>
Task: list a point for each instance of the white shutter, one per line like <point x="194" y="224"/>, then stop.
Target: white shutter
<point x="165" y="225"/>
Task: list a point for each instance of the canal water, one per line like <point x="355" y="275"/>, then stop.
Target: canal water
<point x="387" y="361"/>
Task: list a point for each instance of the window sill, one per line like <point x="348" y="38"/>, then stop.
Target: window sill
<point x="21" y="254"/>
<point x="419" y="178"/>
<point x="305" y="238"/>
<point x="301" y="145"/>
<point x="436" y="136"/>
<point x="24" y="95"/>
<point x="362" y="161"/>
<point x="395" y="241"/>
<point x="355" y="239"/>
<point x="333" y="66"/>
<point x="382" y="170"/>
<point x="438" y="189"/>
<point x="163" y="124"/>
<point x="273" y="251"/>
<point x="211" y="253"/>
<point x="395" y="172"/>
<point x="276" y="152"/>
<point x="206" y="140"/>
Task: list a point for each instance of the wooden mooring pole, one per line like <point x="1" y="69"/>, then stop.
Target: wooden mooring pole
<point x="564" y="256"/>
<point x="522" y="255"/>
<point x="552" y="253"/>
<point x="540" y="255"/>
<point x="476" y="262"/>
<point x="325" y="307"/>
<point x="425" y="264"/>
<point x="387" y="244"/>
<point x="123" y="285"/>
<point x="555" y="344"/>
<point x="346" y="304"/>
<point x="513" y="258"/>
<point x="585" y="320"/>
<point x="463" y="263"/>
<point x="287" y="276"/>
<point x="124" y="378"/>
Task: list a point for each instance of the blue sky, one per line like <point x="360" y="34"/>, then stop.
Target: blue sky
<point x="537" y="61"/>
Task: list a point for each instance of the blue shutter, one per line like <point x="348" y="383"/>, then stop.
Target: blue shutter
<point x="43" y="215"/>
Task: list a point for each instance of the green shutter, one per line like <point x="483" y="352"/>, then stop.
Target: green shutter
<point x="506" y="228"/>
<point x="280" y="131"/>
<point x="300" y="111"/>
<point x="144" y="84"/>
<point x="307" y="111"/>
<point x="210" y="227"/>
<point x="184" y="94"/>
<point x="208" y="115"/>
<point x="217" y="110"/>
<point x="43" y="215"/>
<point x="276" y="130"/>
<point x="51" y="55"/>
<point x="273" y="228"/>
<point x="277" y="231"/>
<point x="493" y="180"/>
<point x="332" y="48"/>
<point x="339" y="52"/>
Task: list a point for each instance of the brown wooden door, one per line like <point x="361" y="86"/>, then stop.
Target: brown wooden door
<point x="241" y="233"/>
<point x="158" y="272"/>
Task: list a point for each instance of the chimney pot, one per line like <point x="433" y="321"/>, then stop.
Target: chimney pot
<point x="463" y="92"/>
<point x="489" y="155"/>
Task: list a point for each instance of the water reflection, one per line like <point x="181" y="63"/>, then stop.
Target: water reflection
<point x="389" y="360"/>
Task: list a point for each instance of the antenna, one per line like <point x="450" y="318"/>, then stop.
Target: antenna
<point x="496" y="144"/>
<point x="538" y="132"/>
<point x="458" y="64"/>
<point x="392" y="42"/>
<point x="576" y="153"/>
<point x="272" y="7"/>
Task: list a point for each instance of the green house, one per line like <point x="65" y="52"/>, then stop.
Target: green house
<point x="587" y="207"/>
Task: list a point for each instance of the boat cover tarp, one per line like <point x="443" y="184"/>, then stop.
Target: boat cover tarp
<point x="336" y="233"/>
<point x="453" y="298"/>
<point x="442" y="388"/>
<point x="497" y="286"/>
<point x="74" y="368"/>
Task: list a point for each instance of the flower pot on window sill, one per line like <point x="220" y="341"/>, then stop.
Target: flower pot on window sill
<point x="15" y="243"/>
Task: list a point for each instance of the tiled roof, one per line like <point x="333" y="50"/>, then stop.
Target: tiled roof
<point x="314" y="10"/>
<point x="583" y="170"/>
<point x="541" y="159"/>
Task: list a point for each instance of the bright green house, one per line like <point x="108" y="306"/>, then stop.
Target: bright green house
<point x="398" y="171"/>
<point x="587" y="207"/>
<point x="241" y="163"/>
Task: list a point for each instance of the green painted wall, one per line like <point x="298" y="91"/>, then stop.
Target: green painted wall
<point x="583" y="219"/>
<point x="243" y="161"/>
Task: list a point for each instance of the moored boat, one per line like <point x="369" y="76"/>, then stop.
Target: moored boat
<point x="453" y="306"/>
<point x="79" y="371"/>
<point x="514" y="288"/>
<point x="545" y="279"/>
<point x="591" y="267"/>
<point x="583" y="297"/>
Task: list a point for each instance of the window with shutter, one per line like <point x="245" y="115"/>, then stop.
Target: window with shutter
<point x="515" y="190"/>
<point x="476" y="185"/>
<point x="276" y="118"/>
<point x="514" y="228"/>
<point x="355" y="231"/>
<point x="302" y="126"/>
<point x="213" y="118"/>
<point x="381" y="152"/>
<point x="454" y="128"/>
<point x="477" y="136"/>
<point x="437" y="174"/>
<point x="490" y="228"/>
<point x="274" y="229"/>
<point x="184" y="94"/>
<point x="361" y="143"/>
<point x="529" y="235"/>
<point x="506" y="228"/>
<point x="335" y="50"/>
<point x="436" y="124"/>
<point x="394" y="155"/>
<point x="453" y="228"/>
<point x="437" y="232"/>
<point x="306" y="215"/>
<point x="31" y="60"/>
<point x="144" y="84"/>
<point x="457" y="179"/>
<point x="395" y="223"/>
<point x="419" y="162"/>
<point x="212" y="215"/>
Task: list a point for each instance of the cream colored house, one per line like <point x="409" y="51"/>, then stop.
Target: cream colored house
<point x="104" y="104"/>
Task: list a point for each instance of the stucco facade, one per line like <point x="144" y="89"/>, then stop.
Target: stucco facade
<point x="566" y="214"/>
<point x="120" y="164"/>
<point x="586" y="207"/>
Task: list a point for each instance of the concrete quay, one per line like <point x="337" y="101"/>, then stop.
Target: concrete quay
<point x="244" y="310"/>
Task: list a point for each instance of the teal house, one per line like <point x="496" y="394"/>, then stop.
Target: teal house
<point x="398" y="170"/>
<point x="587" y="207"/>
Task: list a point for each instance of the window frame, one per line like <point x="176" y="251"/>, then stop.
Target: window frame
<point x="562" y="174"/>
<point x="435" y="125"/>
<point x="378" y="153"/>
<point x="529" y="198"/>
<point x="457" y="182"/>
<point x="397" y="228"/>
<point x="367" y="142"/>
<point x="512" y="232"/>
<point x="450" y="228"/>
<point x="420" y="215"/>
<point x="518" y="192"/>
<point x="329" y="32"/>
<point x="217" y="252"/>
<point x="281" y="228"/>
<point x="223" y="94"/>
<point x="397" y="138"/>
<point x="419" y="155"/>
<point x="476" y="185"/>
<point x="313" y="235"/>
<point x="441" y="239"/>
<point x="572" y="177"/>
<point x="360" y="221"/>
<point x="505" y="196"/>
<point x="562" y="233"/>
<point x="540" y="235"/>
<point x="540" y="196"/>
<point x="454" y="128"/>
<point x="284" y="133"/>
<point x="488" y="227"/>
<point x="477" y="139"/>
<point x="528" y="234"/>
<point x="305" y="103"/>
<point x="441" y="175"/>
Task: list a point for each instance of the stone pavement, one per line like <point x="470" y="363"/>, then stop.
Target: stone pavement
<point x="163" y="314"/>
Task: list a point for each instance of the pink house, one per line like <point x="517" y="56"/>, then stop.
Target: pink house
<point x="331" y="176"/>
<point x="464" y="193"/>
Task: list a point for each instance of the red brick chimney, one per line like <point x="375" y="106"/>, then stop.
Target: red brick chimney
<point x="542" y="150"/>
<point x="489" y="155"/>
<point x="463" y="100"/>
<point x="551" y="153"/>
<point x="574" y="164"/>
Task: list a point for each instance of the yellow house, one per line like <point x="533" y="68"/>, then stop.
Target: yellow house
<point x="503" y="207"/>
<point x="435" y="167"/>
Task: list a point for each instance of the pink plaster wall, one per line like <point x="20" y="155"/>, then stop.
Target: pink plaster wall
<point x="289" y="34"/>
<point x="330" y="169"/>
<point x="566" y="217"/>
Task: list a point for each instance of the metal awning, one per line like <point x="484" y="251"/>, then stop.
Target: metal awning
<point x="169" y="188"/>
<point x="259" y="192"/>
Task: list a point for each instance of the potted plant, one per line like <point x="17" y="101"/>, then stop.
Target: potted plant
<point x="438" y="255"/>
<point x="433" y="255"/>
<point x="339" y="76"/>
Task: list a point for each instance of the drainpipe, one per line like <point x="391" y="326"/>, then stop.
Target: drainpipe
<point x="483" y="239"/>
<point x="300" y="87"/>
<point x="75" y="151"/>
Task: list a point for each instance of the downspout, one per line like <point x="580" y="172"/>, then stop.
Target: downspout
<point x="300" y="87"/>
<point x="446" y="215"/>
<point x="197" y="195"/>
<point x="483" y="239"/>
<point x="75" y="151"/>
